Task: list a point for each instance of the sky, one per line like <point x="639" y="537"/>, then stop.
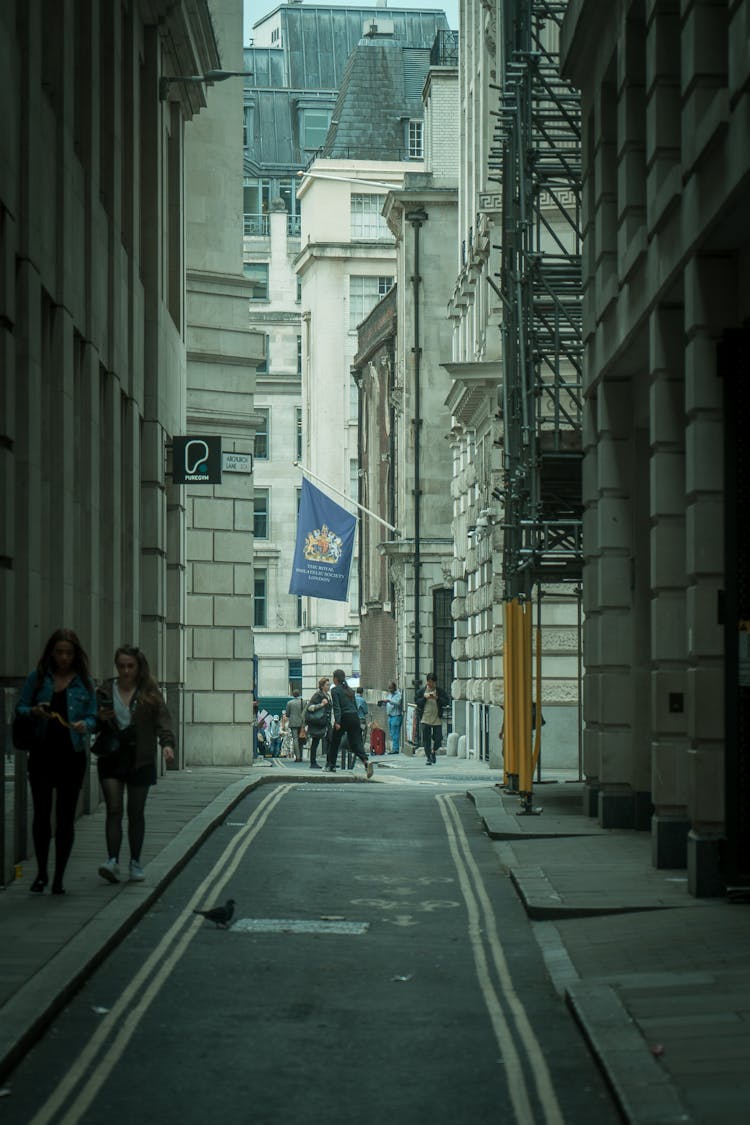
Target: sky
<point x="254" y="9"/>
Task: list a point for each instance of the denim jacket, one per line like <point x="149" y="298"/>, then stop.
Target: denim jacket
<point x="81" y="702"/>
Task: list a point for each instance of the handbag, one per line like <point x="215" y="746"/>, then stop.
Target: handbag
<point x="25" y="733"/>
<point x="110" y="741"/>
<point x="25" y="728"/>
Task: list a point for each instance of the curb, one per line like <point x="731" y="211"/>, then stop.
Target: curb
<point x="644" y="1092"/>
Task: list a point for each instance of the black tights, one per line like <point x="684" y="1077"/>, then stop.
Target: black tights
<point x="42" y="789"/>
<point x="114" y="792"/>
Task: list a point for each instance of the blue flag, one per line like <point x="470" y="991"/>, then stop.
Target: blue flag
<point x="324" y="547"/>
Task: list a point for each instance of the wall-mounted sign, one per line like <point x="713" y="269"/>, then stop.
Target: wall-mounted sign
<point x="196" y="460"/>
<point x="237" y="462"/>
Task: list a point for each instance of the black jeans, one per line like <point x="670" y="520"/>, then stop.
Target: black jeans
<point x="315" y="739"/>
<point x="431" y="739"/>
<point x="349" y="725"/>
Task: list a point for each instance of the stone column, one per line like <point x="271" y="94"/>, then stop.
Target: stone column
<point x="669" y="746"/>
<point x="710" y="299"/>
<point x="616" y="631"/>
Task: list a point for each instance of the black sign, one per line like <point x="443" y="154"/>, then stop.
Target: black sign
<point x="196" y="460"/>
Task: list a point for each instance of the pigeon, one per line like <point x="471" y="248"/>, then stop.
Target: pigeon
<point x="220" y="915"/>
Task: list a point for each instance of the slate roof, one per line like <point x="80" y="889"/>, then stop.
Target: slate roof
<point x="316" y="44"/>
<point x="381" y="89"/>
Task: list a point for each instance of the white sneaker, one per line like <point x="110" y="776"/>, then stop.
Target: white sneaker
<point x="110" y="870"/>
<point x="137" y="874"/>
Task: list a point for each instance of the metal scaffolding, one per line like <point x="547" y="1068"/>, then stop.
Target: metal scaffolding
<point x="536" y="157"/>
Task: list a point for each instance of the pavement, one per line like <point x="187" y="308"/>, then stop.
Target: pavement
<point x="658" y="982"/>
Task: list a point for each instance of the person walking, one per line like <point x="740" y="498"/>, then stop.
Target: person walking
<point x="364" y="715"/>
<point x="274" y="734"/>
<point x="394" y="709"/>
<point x="345" y="721"/>
<point x="431" y="702"/>
<point x="294" y="711"/>
<point x="60" y="695"/>
<point x="133" y="717"/>
<point x="318" y="720"/>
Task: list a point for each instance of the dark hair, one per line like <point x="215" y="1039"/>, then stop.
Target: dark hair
<point x="393" y="686"/>
<point x="431" y="676"/>
<point x="80" y="659"/>
<point x="339" y="676"/>
<point x="148" y="689"/>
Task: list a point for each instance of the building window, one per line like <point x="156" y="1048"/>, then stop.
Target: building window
<point x="260" y="513"/>
<point x="300" y="617"/>
<point x="416" y="140"/>
<point x="442" y="637"/>
<point x="299" y="289"/>
<point x="261" y="445"/>
<point x="315" y="124"/>
<point x="262" y="368"/>
<point x="364" y="294"/>
<point x="367" y="222"/>
<point x="299" y="432"/>
<point x="299" y="355"/>
<point x="259" y="597"/>
<point x="295" y="674"/>
<point x="257" y="273"/>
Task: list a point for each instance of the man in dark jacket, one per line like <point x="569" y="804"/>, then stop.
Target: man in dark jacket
<point x="431" y="703"/>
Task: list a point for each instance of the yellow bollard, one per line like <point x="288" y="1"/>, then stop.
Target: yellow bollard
<point x="525" y="769"/>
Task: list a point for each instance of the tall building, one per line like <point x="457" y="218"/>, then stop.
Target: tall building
<point x="665" y="94"/>
<point x="94" y="319"/>
<point x="515" y="438"/>
<point x="289" y="107"/>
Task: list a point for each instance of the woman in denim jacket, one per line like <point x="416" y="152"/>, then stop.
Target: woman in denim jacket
<point x="60" y="695"/>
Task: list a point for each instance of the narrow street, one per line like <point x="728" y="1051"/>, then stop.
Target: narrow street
<point x="378" y="966"/>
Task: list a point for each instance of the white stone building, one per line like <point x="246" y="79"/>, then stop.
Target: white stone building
<point x="288" y="109"/>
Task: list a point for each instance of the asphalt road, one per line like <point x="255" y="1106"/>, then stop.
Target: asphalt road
<point x="378" y="968"/>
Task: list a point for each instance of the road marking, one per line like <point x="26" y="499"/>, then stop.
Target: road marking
<point x="401" y="920"/>
<point x="168" y="952"/>
<point x="297" y="926"/>
<point x="483" y="927"/>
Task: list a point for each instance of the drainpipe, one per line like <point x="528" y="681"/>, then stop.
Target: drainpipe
<point x="416" y="218"/>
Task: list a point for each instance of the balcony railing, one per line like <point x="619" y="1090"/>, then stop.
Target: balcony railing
<point x="444" y="50"/>
<point x="259" y="225"/>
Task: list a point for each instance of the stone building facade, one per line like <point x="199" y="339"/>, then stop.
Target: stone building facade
<point x="665" y="91"/>
<point x="93" y="323"/>
<point x="477" y="435"/>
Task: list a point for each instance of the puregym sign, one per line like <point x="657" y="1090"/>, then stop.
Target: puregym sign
<point x="196" y="460"/>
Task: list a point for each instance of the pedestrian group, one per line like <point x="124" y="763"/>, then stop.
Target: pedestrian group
<point x="59" y="708"/>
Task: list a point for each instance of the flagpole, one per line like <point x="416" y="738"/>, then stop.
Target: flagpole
<point x="343" y="495"/>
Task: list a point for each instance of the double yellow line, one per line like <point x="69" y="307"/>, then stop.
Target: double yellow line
<point x="488" y="954"/>
<point x="106" y="1046"/>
